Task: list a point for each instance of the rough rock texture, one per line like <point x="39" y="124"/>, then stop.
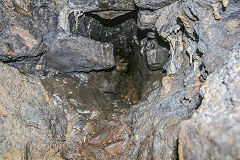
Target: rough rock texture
<point x="153" y="4"/>
<point x="32" y="125"/>
<point x="146" y="19"/>
<point x="219" y="22"/>
<point x="120" y="31"/>
<point x="166" y="105"/>
<point x="103" y="5"/>
<point x="19" y="38"/>
<point x="213" y="131"/>
<point x="95" y="58"/>
<point x="111" y="8"/>
<point x="198" y="46"/>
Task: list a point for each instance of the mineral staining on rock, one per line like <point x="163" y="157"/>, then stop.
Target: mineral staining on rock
<point x="32" y="124"/>
<point x="118" y="79"/>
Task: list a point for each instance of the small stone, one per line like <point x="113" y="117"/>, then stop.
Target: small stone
<point x="156" y="58"/>
<point x="100" y="139"/>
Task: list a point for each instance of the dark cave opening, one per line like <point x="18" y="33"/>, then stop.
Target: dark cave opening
<point x="133" y="49"/>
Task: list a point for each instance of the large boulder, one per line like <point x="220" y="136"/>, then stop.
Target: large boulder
<point x="70" y="54"/>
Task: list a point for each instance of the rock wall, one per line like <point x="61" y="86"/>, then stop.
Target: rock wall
<point x="213" y="132"/>
<point x="32" y="124"/>
<point x="202" y="35"/>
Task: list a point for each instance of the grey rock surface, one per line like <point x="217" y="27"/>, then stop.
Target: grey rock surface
<point x="216" y="29"/>
<point x="186" y="30"/>
<point x="175" y="60"/>
<point x="164" y="106"/>
<point x="213" y="131"/>
<point x="94" y="117"/>
<point x="146" y="19"/>
<point x="157" y="57"/>
<point x="153" y="4"/>
<point x="79" y="54"/>
<point x="104" y="5"/>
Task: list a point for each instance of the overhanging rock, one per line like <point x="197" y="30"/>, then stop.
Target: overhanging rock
<point x="153" y="4"/>
<point x="81" y="54"/>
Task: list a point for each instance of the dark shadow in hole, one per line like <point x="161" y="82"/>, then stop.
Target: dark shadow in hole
<point x="142" y="34"/>
<point x="162" y="42"/>
<point x="116" y="21"/>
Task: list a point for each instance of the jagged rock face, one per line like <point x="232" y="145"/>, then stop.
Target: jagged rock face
<point x="19" y="38"/>
<point x="165" y="55"/>
<point x="109" y="9"/>
<point x="215" y="35"/>
<point x="32" y="125"/>
<point x="195" y="34"/>
<point x="168" y="104"/>
<point x="104" y="5"/>
<point x="213" y="131"/>
<point x="34" y="23"/>
<point x="153" y="4"/>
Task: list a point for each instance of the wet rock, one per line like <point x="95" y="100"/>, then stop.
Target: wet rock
<point x="83" y="115"/>
<point x="94" y="117"/>
<point x="32" y="124"/>
<point x="213" y="130"/>
<point x="177" y="24"/>
<point x="86" y="151"/>
<point x="79" y="54"/>
<point x="112" y="142"/>
<point x="119" y="31"/>
<point x="107" y="82"/>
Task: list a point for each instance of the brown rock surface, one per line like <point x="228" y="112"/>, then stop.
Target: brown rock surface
<point x="32" y="125"/>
